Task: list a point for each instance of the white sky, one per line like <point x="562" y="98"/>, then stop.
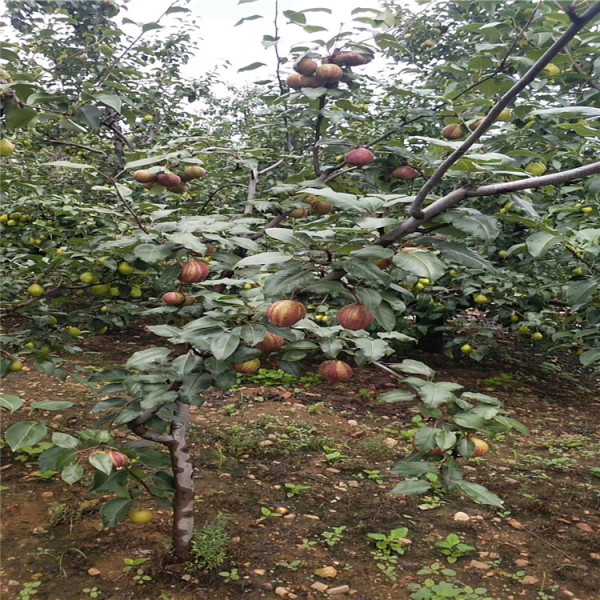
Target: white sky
<point x="242" y="45"/>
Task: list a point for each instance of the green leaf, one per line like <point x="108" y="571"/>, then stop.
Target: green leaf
<point x="414" y="367"/>
<point x="289" y="236"/>
<point x="540" y="242"/>
<point x="102" y="462"/>
<point x="264" y="258"/>
<point x="397" y="396"/>
<point x="581" y="293"/>
<point x="331" y="346"/>
<point x="479" y="493"/>
<point x="146" y="359"/>
<point x="187" y="240"/>
<point x="52" y="405"/>
<point x="253" y="333"/>
<point x="251" y="67"/>
<point x="67" y="165"/>
<point x="115" y="509"/>
<point x="26" y="433"/>
<point x="153" y="253"/>
<point x="422" y="264"/>
<point x="224" y="345"/>
<point x="411" y="488"/>
<point x="384" y="315"/>
<point x="373" y="253"/>
<point x="11" y="403"/>
<point x="252" y="18"/>
<point x="589" y="357"/>
<point x="72" y="474"/>
<point x="110" y="100"/>
<point x="410" y="468"/>
<point x="509" y="424"/>
<point x="64" y="440"/>
<point x="19" y="117"/>
<point x="366" y="271"/>
<point x="445" y="439"/>
<point x="480" y="226"/>
<point x="453" y="252"/>
<point x="371" y="349"/>
<point x="469" y="420"/>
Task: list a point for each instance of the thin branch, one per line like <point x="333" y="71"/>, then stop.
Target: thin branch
<point x="272" y="167"/>
<point x="104" y="76"/>
<point x="318" y="124"/>
<point x="592" y="82"/>
<point x="129" y="209"/>
<point x="252" y="183"/>
<point x="387" y="370"/>
<point x="282" y="90"/>
<point x="88" y="148"/>
<point x="534" y="71"/>
<point x="580" y="258"/>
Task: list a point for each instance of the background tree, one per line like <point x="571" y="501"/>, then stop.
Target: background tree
<point x="350" y="192"/>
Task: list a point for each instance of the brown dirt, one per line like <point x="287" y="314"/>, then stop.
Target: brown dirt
<point x="550" y="523"/>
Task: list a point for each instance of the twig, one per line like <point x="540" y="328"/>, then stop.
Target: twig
<point x="387" y="370"/>
<point x="129" y="209"/>
<point x="78" y="146"/>
<point x="318" y="124"/>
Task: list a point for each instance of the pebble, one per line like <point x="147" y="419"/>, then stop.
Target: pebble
<point x="461" y="516"/>
<point x="13" y="583"/>
<point x="290" y="516"/>
<point x="282" y="510"/>
<point x="326" y="572"/>
<point x="353" y="423"/>
<point x="281" y="591"/>
<point x="267" y="443"/>
<point x="390" y="442"/>
<point x="94" y="572"/>
<point x="584" y="527"/>
<point x="320" y="587"/>
<point x="595" y="555"/>
<point x="476" y="564"/>
<point x="342" y="589"/>
<point x="353" y="484"/>
<point x="333" y="470"/>
<point x="259" y="572"/>
<point x="521" y="562"/>
<point x="313" y="517"/>
<point x="530" y="580"/>
<point x="515" y="524"/>
<point x="47" y="494"/>
<point x="225" y="476"/>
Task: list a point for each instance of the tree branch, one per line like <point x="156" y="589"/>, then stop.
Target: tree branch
<point x="416" y="208"/>
<point x="443" y="204"/>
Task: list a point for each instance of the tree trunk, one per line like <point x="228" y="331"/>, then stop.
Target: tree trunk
<point x="183" y="470"/>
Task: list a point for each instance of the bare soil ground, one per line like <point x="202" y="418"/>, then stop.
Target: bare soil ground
<point x="259" y="451"/>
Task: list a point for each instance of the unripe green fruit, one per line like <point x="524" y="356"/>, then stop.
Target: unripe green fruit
<point x="88" y="277"/>
<point x="248" y="367"/>
<point x="35" y="290"/>
<point x="537" y="336"/>
<point x="551" y="70"/>
<point x="481" y="299"/>
<point x="6" y="147"/>
<point x="73" y="331"/>
<point x="536" y="169"/>
<point x="16" y="366"/>
<point x="466" y="349"/>
<point x="141" y="517"/>
<point x="100" y="290"/>
<point x="125" y="268"/>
